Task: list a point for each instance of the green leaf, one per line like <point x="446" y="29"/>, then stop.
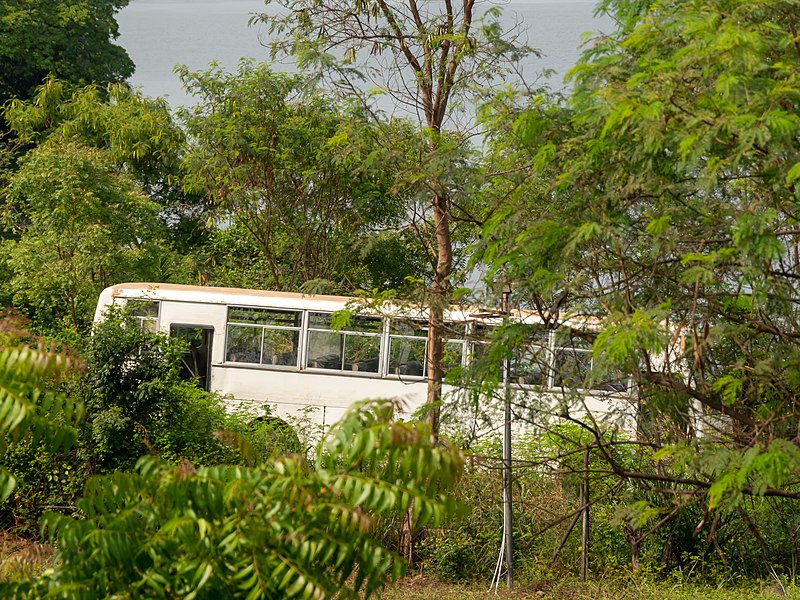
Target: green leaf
<point x="729" y="387"/>
<point x="658" y="226"/>
<point x="794" y="174"/>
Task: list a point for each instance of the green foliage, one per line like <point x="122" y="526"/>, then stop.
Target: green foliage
<point x="428" y="59"/>
<point x="47" y="479"/>
<point x="665" y="524"/>
<point x="36" y="417"/>
<point x="29" y="406"/>
<point x="138" y="136"/>
<point x="137" y="404"/>
<point x="435" y="63"/>
<point x="67" y="38"/>
<point x="275" y="160"/>
<point x="454" y="556"/>
<point x="129" y="128"/>
<point x="671" y="190"/>
<point x="281" y="530"/>
<point x="81" y="225"/>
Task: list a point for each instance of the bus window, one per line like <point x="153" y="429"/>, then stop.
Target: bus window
<point x="573" y="360"/>
<point x="355" y="348"/>
<point x="145" y="312"/>
<point x="453" y="345"/>
<point x="574" y="364"/>
<point x="452" y="354"/>
<point x="408" y="347"/>
<point x="263" y="336"/>
<point x="531" y="364"/>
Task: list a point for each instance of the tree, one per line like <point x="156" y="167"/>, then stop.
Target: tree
<point x="31" y="405"/>
<point x="67" y="38"/>
<point x="282" y="530"/>
<point x="138" y="134"/>
<point x="274" y="159"/>
<point x="81" y="225"/>
<point x="427" y="58"/>
<point x="137" y="403"/>
<point x="672" y="215"/>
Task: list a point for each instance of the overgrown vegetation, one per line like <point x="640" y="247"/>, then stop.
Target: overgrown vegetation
<point x="285" y="529"/>
<point x="657" y="203"/>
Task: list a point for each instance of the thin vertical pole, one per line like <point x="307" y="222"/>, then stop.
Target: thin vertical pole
<point x="507" y="514"/>
<point x="585" y="525"/>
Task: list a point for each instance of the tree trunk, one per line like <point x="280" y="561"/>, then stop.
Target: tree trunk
<point x="407" y="536"/>
<point x="436" y="332"/>
<point x="436" y="328"/>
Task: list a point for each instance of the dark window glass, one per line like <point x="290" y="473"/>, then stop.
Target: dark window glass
<point x="325" y="350"/>
<point x="244" y="344"/>
<point x="530" y="365"/>
<point x="572" y="367"/>
<point x="355" y="348"/>
<point x="261" y="316"/>
<point x="407" y="356"/>
<point x="362" y="353"/>
<point x="408" y="328"/>
<point x="452" y="354"/>
<point x="263" y="336"/>
<point x="280" y="347"/>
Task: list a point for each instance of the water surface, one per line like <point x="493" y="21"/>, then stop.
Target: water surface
<point x="159" y="34"/>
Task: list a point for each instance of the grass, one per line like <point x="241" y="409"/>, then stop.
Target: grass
<point x="23" y="559"/>
<point x="423" y="589"/>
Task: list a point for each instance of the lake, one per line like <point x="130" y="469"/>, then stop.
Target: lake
<point x="159" y="34"/>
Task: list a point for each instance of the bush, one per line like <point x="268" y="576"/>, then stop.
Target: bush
<point x="279" y="530"/>
<point x="37" y="428"/>
<point x="45" y="481"/>
<point x="138" y="404"/>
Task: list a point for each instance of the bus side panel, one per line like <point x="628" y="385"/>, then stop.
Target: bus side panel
<point x="291" y="393"/>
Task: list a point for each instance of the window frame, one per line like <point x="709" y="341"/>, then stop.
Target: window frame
<point x="345" y="367"/>
<point x="263" y="328"/>
<point x="141" y="319"/>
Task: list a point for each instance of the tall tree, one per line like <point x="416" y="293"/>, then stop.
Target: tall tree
<point x="278" y="166"/>
<point x="678" y="165"/>
<point x="428" y="58"/>
<point x="71" y="39"/>
<point x="81" y="225"/>
<point x="138" y="134"/>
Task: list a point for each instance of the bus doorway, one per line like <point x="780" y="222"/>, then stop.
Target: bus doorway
<point x="196" y="358"/>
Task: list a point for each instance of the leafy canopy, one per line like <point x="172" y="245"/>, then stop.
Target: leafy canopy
<point x="289" y="176"/>
<point x="81" y="225"/>
<point x="71" y="39"/>
<point x="669" y="208"/>
<point x="285" y="530"/>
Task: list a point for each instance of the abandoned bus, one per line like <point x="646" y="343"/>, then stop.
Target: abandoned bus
<point x="282" y="350"/>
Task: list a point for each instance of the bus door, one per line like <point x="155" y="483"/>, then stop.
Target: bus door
<point x="196" y="359"/>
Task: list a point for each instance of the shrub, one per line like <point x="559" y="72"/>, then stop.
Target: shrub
<point x="278" y="531"/>
<point x="36" y="420"/>
<point x="138" y="404"/>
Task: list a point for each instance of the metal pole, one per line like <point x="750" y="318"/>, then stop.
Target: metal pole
<point x="585" y="523"/>
<point x="507" y="514"/>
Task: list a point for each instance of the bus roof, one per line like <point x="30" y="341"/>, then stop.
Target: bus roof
<point x="291" y="300"/>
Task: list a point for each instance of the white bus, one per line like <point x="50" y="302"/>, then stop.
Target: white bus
<point x="280" y="350"/>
